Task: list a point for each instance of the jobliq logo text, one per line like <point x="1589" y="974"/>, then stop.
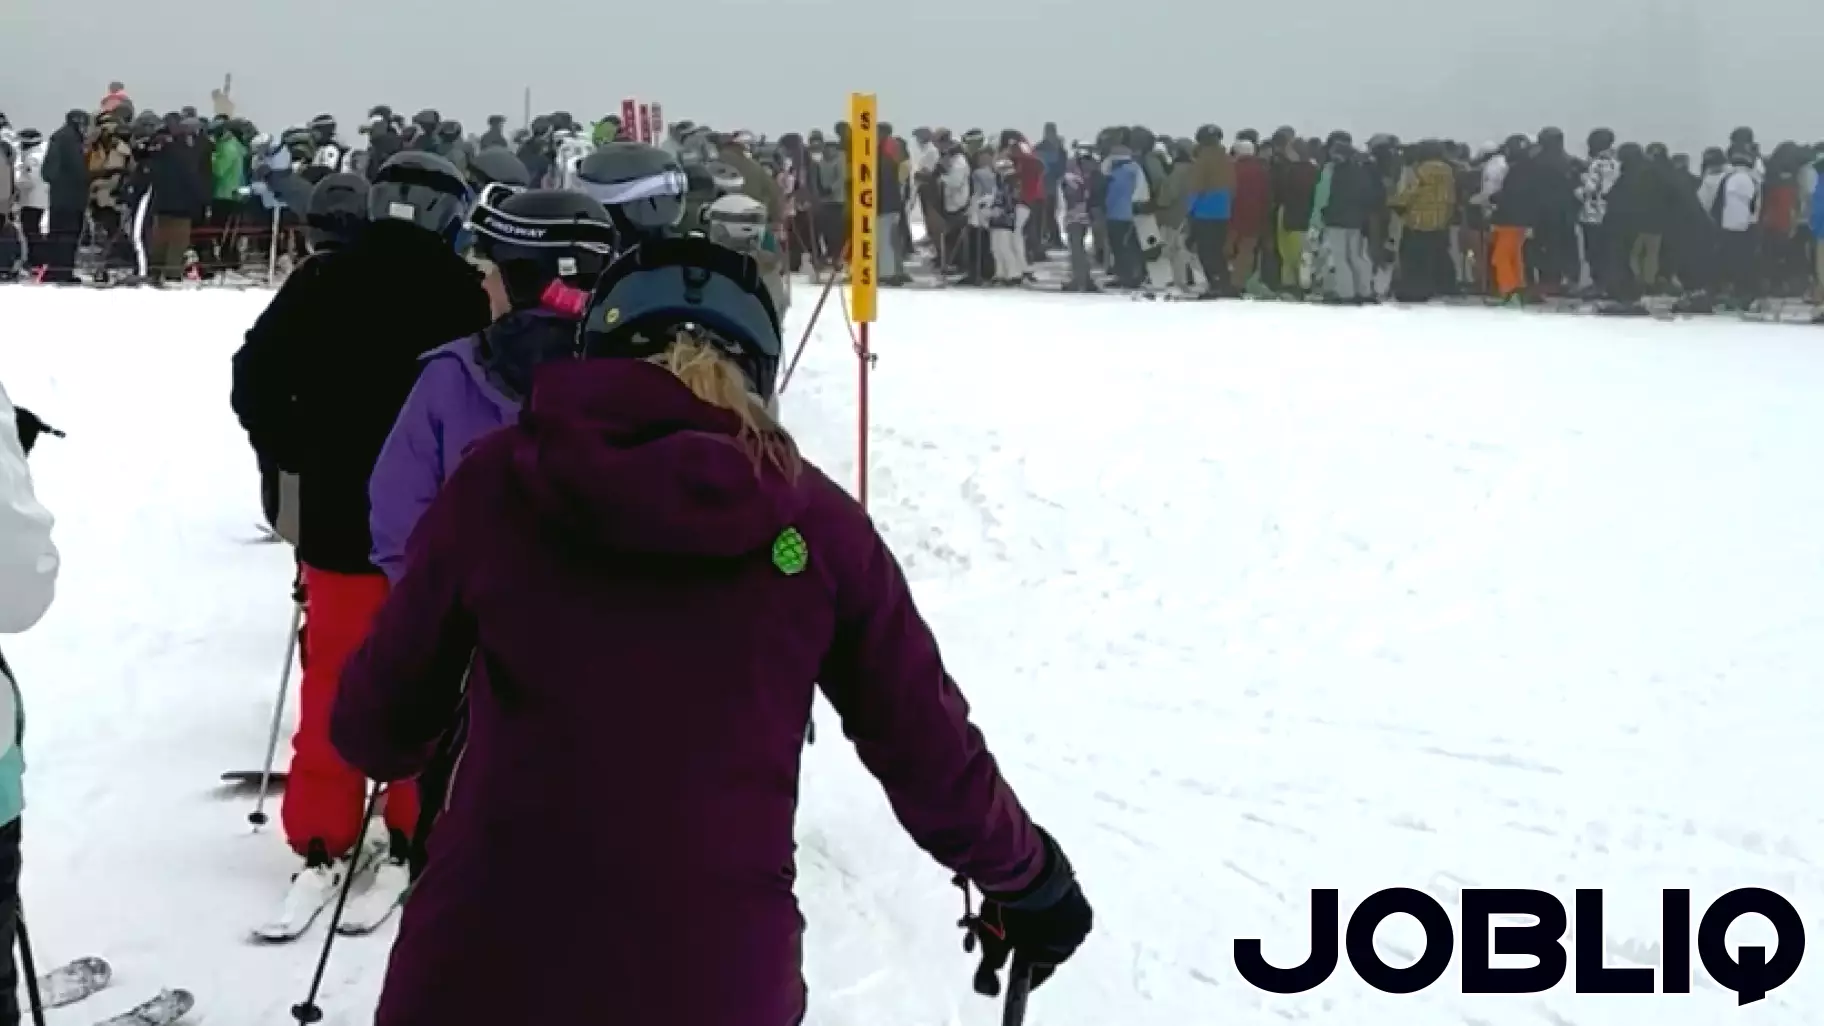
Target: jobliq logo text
<point x="1750" y="971"/>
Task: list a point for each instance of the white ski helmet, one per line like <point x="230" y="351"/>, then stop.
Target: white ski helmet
<point x="737" y="221"/>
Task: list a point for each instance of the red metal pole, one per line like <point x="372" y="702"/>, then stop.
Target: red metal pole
<point x="864" y="358"/>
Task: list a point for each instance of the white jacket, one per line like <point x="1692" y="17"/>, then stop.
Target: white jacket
<point x="34" y="191"/>
<point x="1494" y="175"/>
<point x="28" y="559"/>
<point x="955" y="178"/>
<point x="1741" y="189"/>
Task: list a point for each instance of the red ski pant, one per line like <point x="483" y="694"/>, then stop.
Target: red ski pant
<point x="324" y="797"/>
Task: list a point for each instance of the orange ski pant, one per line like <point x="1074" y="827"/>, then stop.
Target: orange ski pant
<point x="1507" y="256"/>
<point x="324" y="796"/>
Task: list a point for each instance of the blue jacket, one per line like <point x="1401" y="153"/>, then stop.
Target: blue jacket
<point x="1817" y="209"/>
<point x="1123" y="179"/>
<point x="1215" y="205"/>
<point x="1054" y="159"/>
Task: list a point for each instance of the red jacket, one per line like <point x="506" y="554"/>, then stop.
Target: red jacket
<point x="1252" y="197"/>
<point x="1032" y="177"/>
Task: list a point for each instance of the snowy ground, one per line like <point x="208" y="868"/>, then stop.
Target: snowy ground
<point x="1250" y="599"/>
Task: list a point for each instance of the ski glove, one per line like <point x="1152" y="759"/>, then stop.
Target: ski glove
<point x="1040" y="926"/>
<point x="30" y="427"/>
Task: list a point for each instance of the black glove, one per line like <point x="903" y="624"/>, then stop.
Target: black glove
<point x="1040" y="925"/>
<point x="30" y="427"/>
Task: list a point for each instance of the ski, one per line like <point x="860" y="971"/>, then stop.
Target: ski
<point x="312" y="890"/>
<point x="162" y="1009"/>
<point x="73" y="981"/>
<point x="251" y="778"/>
<point x="387" y="888"/>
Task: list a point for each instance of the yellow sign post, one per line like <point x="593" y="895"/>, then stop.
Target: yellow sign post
<point x="865" y="204"/>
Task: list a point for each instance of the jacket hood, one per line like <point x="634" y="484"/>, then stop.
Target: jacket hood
<point x="519" y="343"/>
<point x="620" y="456"/>
<point x="463" y="352"/>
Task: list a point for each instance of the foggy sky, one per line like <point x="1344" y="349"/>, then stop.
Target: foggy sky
<point x="1681" y="71"/>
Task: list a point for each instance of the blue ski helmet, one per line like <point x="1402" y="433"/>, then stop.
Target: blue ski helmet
<point x="686" y="283"/>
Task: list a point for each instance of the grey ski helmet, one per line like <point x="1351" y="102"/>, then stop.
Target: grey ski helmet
<point x="497" y="172"/>
<point x="422" y="188"/>
<point x="642" y="186"/>
<point x="338" y="209"/>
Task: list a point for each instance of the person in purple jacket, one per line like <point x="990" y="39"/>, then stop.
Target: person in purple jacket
<point x="645" y="581"/>
<point x="542" y="249"/>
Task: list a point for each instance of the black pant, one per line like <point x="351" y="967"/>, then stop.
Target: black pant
<point x="1738" y="263"/>
<point x="1556" y="250"/>
<point x="10" y="248"/>
<point x="9" y="923"/>
<point x="1597" y="245"/>
<point x="31" y="225"/>
<point x="60" y="244"/>
<point x="1210" y="240"/>
<point x="1124" y="243"/>
<point x="1615" y="274"/>
<point x="1425" y="269"/>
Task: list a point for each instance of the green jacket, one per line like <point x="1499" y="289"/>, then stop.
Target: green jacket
<point x="228" y="165"/>
<point x="603" y="134"/>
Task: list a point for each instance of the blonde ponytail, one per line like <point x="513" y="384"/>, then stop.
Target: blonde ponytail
<point x="713" y="378"/>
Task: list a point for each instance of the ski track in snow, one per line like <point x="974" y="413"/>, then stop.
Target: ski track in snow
<point x="1249" y="599"/>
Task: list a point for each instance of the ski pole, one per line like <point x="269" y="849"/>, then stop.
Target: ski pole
<point x="1019" y="984"/>
<point x="306" y="1011"/>
<point x="258" y="816"/>
<point x="28" y="963"/>
<point x="809" y="326"/>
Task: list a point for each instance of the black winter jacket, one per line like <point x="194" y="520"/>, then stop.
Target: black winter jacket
<point x="66" y="170"/>
<point x="179" y="188"/>
<point x="1356" y="195"/>
<point x="324" y="371"/>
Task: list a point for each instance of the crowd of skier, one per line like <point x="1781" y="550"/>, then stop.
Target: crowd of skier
<point x="555" y="507"/>
<point x="1284" y="215"/>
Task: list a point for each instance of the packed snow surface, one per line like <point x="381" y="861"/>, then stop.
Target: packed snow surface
<point x="1249" y="599"/>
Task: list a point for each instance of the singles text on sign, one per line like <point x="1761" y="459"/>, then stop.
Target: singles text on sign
<point x="864" y="138"/>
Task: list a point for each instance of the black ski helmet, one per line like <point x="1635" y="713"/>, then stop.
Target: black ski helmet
<point x="642" y="186"/>
<point x="323" y="126"/>
<point x="420" y="187"/>
<point x="427" y="120"/>
<point x="686" y="283"/>
<point x="537" y="235"/>
<point x="338" y="208"/>
<point x="450" y="128"/>
<point x="497" y="168"/>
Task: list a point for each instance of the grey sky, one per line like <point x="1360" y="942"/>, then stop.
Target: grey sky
<point x="1682" y="71"/>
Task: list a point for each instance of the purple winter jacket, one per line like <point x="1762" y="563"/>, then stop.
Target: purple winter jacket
<point x="618" y="845"/>
<point x="451" y="407"/>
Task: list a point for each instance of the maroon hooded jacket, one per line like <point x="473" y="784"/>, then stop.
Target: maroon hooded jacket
<point x="618" y="845"/>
